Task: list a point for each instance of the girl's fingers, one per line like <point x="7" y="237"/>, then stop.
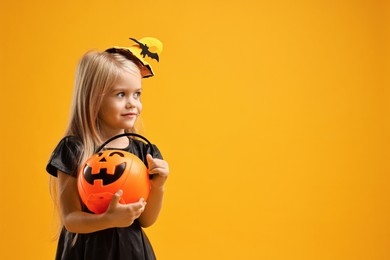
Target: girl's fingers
<point x="149" y="159"/>
<point x="159" y="171"/>
<point x="116" y="198"/>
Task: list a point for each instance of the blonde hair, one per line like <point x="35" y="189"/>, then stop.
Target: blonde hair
<point x="96" y="74"/>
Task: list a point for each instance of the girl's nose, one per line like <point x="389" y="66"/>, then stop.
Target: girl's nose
<point x="130" y="103"/>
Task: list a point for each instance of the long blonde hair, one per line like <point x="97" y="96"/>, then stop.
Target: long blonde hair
<point x="96" y="74"/>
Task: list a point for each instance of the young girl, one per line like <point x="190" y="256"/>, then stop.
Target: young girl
<point x="106" y="102"/>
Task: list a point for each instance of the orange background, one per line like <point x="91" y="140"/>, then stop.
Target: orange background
<point x="273" y="115"/>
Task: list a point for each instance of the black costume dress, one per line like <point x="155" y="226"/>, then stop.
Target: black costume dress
<point x="111" y="243"/>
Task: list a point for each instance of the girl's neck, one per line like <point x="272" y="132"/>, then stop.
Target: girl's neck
<point x="121" y="142"/>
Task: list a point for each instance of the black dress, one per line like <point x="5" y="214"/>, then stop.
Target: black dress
<point x="112" y="243"/>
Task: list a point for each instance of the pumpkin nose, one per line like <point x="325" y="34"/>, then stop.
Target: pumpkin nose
<point x="103" y="160"/>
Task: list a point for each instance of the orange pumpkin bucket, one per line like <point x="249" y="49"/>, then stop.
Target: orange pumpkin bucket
<point x="108" y="171"/>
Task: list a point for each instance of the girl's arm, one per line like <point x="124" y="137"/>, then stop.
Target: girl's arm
<point x="77" y="221"/>
<point x="159" y="168"/>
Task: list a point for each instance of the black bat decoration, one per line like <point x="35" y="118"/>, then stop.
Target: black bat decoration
<point x="145" y="50"/>
<point x="102" y="175"/>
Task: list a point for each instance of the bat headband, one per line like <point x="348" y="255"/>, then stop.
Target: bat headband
<point x="142" y="49"/>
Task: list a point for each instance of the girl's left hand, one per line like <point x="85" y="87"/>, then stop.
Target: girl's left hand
<point x="160" y="169"/>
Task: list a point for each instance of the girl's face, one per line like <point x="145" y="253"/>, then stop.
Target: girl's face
<point x="122" y="105"/>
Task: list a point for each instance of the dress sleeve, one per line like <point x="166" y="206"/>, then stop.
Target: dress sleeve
<point x="156" y="152"/>
<point x="141" y="149"/>
<point x="65" y="157"/>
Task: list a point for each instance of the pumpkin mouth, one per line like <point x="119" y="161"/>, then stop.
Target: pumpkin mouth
<point x="103" y="175"/>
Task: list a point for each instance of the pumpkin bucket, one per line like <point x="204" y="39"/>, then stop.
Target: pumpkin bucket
<point x="108" y="171"/>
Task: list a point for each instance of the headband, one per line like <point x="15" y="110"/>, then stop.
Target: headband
<point x="141" y="50"/>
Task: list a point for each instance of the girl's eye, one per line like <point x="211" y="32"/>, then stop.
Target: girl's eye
<point x="137" y="94"/>
<point x="121" y="94"/>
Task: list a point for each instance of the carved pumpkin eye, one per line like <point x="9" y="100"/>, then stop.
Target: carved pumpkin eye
<point x="117" y="153"/>
<point x="110" y="155"/>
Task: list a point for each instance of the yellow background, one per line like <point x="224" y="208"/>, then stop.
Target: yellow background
<point x="273" y="115"/>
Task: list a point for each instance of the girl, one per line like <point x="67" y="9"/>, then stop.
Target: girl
<point x="106" y="102"/>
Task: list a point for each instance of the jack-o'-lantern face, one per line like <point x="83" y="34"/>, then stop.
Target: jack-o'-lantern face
<point x="106" y="172"/>
<point x="107" y="166"/>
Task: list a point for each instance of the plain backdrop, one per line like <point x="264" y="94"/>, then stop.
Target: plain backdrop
<point x="273" y="115"/>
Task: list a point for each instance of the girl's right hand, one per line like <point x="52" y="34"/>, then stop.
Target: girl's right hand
<point x="123" y="215"/>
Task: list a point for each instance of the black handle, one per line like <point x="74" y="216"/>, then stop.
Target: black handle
<point x="127" y="134"/>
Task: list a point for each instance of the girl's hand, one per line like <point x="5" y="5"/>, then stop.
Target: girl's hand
<point x="159" y="168"/>
<point x="121" y="215"/>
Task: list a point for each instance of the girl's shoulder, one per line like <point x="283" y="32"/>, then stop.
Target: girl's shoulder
<point x="141" y="149"/>
<point x="65" y="156"/>
<point x="69" y="144"/>
<point x="71" y="140"/>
